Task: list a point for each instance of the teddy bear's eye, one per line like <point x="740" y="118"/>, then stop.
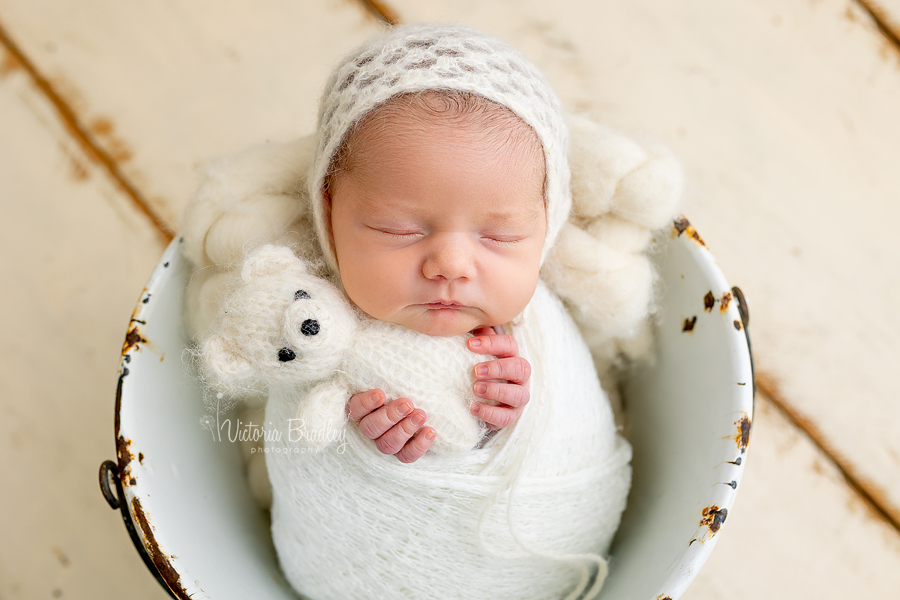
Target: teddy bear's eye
<point x="286" y="355"/>
<point x="300" y="294"/>
<point x="309" y="327"/>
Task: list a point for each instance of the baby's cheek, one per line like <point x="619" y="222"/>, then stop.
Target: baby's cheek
<point x="369" y="289"/>
<point x="517" y="292"/>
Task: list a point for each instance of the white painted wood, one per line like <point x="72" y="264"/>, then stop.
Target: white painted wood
<point x="166" y="86"/>
<point x="785" y="116"/>
<point x="783" y="112"/>
<point x="797" y="530"/>
<point x="75" y="255"/>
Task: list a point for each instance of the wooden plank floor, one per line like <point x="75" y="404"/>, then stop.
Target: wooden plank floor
<point x="122" y="104"/>
<point x="75" y="256"/>
<point x="783" y="112"/>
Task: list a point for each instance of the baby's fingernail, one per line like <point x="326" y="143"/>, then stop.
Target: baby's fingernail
<point x="417" y="419"/>
<point x="429" y="435"/>
<point x="404" y="407"/>
<point x="480" y="388"/>
<point x="481" y="370"/>
<point x="474" y="342"/>
<point x="476" y="408"/>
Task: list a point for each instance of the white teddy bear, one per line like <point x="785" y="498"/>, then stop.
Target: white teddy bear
<point x="287" y="329"/>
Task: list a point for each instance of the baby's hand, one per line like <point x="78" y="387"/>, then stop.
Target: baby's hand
<point x="393" y="427"/>
<point x="503" y="380"/>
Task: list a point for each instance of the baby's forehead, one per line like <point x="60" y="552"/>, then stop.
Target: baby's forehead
<point x="410" y="118"/>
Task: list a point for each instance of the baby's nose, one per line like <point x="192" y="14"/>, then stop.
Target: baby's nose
<point x="449" y="258"/>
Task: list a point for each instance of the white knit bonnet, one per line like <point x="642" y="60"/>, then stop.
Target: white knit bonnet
<point x="421" y="57"/>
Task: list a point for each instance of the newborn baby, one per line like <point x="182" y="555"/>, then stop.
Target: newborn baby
<point x="437" y="188"/>
<point x="435" y="209"/>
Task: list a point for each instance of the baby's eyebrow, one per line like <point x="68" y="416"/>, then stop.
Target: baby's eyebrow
<point x="520" y="216"/>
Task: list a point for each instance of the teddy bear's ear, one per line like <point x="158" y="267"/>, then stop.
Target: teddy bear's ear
<point x="269" y="260"/>
<point x="224" y="360"/>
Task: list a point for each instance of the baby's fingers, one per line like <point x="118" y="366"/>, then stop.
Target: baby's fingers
<point x="501" y="346"/>
<point x="377" y="423"/>
<point x="364" y="403"/>
<point x="510" y="394"/>
<point x="496" y="417"/>
<point x="513" y="369"/>
<point x="396" y="437"/>
<point x="417" y="446"/>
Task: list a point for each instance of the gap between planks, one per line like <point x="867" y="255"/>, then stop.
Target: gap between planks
<point x="382" y="10"/>
<point x="882" y="21"/>
<point x="70" y="121"/>
<point x="873" y="497"/>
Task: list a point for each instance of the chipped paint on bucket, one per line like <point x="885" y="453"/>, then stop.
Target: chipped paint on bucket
<point x="690" y="413"/>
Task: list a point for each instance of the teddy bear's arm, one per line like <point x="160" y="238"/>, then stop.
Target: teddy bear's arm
<point x="321" y="416"/>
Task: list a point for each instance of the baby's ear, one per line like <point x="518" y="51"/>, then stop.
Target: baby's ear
<point x="224" y="361"/>
<point x="269" y="260"/>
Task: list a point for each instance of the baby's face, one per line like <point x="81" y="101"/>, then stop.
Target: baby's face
<point x="439" y="227"/>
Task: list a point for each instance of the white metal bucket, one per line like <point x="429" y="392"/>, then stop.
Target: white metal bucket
<point x="184" y="500"/>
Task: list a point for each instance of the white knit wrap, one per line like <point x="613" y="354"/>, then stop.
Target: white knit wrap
<point x="529" y="516"/>
<point x="415" y="58"/>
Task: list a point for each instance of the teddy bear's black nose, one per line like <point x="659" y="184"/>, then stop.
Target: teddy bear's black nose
<point x="309" y="327"/>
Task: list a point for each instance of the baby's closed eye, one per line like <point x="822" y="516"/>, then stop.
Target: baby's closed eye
<point x="503" y="240"/>
<point x="397" y="233"/>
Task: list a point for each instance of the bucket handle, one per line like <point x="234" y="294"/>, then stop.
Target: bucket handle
<point x="109" y="477"/>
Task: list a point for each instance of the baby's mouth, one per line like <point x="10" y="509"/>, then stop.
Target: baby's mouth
<point x="445" y="305"/>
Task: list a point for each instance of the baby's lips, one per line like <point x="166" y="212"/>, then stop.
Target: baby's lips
<point x="446" y="305"/>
